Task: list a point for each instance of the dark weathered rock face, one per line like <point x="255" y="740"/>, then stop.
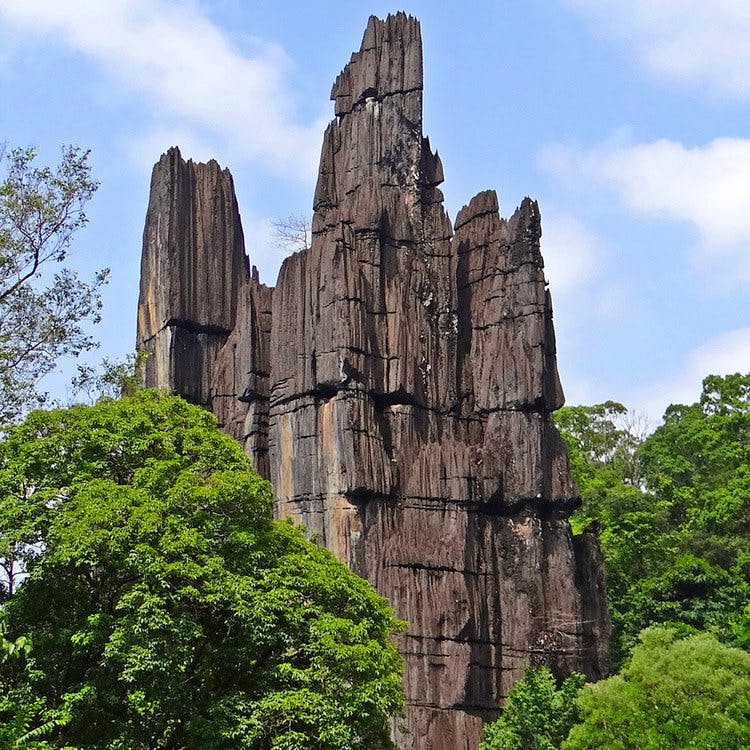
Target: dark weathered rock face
<point x="203" y="318"/>
<point x="400" y="378"/>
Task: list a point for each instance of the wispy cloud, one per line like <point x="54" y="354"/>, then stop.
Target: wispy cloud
<point x="696" y="41"/>
<point x="194" y="79"/>
<point x="724" y="354"/>
<point x="575" y="267"/>
<point x="574" y="259"/>
<point x="570" y="252"/>
<point x="704" y="187"/>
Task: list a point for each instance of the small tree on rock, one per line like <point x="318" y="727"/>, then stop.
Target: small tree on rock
<point x="292" y="233"/>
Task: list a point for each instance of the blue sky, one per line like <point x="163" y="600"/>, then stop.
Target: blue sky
<point x="626" y="119"/>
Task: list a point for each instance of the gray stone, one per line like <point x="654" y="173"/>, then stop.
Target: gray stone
<point x="396" y="386"/>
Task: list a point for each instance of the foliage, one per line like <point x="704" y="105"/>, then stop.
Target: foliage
<point x="690" y="591"/>
<point x="12" y="649"/>
<point x="537" y="716"/>
<point x="165" y="607"/>
<point x="699" y="462"/>
<point x="42" y="311"/>
<point x="112" y="379"/>
<point x="675" y="541"/>
<point x="690" y="692"/>
<point x="605" y="435"/>
<point x="603" y="443"/>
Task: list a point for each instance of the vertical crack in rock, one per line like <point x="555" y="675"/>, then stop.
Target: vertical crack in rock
<point x="396" y="387"/>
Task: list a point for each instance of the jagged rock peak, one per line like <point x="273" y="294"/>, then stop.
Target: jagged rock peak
<point x="192" y="266"/>
<point x="172" y="159"/>
<point x="389" y="62"/>
<point x="193" y="228"/>
<point x="481" y="204"/>
<point x="396" y="387"/>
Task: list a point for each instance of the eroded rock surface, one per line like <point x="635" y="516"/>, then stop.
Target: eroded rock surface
<point x="396" y="386"/>
<point x="204" y="319"/>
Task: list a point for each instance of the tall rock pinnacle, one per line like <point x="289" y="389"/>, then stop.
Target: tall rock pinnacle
<point x="396" y="387"/>
<point x="200" y="304"/>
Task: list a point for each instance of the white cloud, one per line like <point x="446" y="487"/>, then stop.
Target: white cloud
<point x="724" y="354"/>
<point x="189" y="72"/>
<point x="574" y="258"/>
<point x="570" y="252"/>
<point x="579" y="390"/>
<point x="696" y="41"/>
<point x="703" y="187"/>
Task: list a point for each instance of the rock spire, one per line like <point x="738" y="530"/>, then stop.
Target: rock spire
<point x="396" y="387"/>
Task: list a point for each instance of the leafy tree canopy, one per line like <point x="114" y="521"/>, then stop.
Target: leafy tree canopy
<point x="601" y="434"/>
<point x="675" y="532"/>
<point x="537" y="716"/>
<point x="163" y="606"/>
<point x="43" y="305"/>
<point x="699" y="462"/>
<point x="688" y="591"/>
<point x="603" y="442"/>
<point x="679" y="693"/>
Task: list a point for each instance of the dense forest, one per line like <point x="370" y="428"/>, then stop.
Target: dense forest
<point x="148" y="599"/>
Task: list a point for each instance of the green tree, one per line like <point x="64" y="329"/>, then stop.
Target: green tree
<point x="675" y="532"/>
<point x="605" y="435"/>
<point x="165" y="607"/>
<point x="698" y="461"/>
<point x="113" y="378"/>
<point x="537" y="716"/>
<point x="604" y="443"/>
<point x="687" y="591"/>
<point x="676" y="693"/>
<point x="44" y="307"/>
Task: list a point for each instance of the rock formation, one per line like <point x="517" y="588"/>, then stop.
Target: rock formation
<point x="204" y="319"/>
<point x="396" y="386"/>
